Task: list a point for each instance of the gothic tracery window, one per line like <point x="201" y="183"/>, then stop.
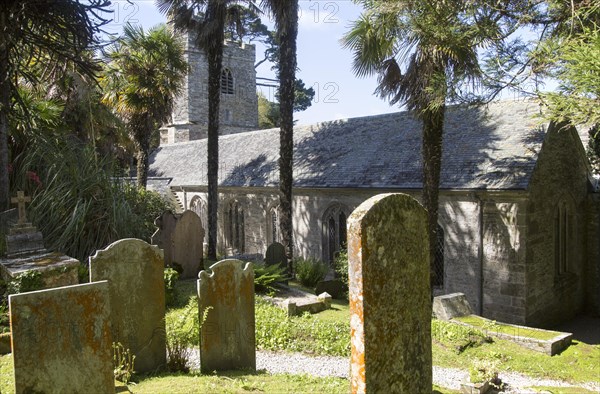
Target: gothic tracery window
<point x="273" y="230"/>
<point x="334" y="232"/>
<point x="437" y="265"/>
<point x="226" y="81"/>
<point x="235" y="227"/>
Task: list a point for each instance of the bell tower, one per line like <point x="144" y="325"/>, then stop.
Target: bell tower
<point x="239" y="103"/>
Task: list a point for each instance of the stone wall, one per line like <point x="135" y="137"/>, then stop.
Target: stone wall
<point x="560" y="177"/>
<point x="238" y="112"/>
<point x="459" y="218"/>
<point x="504" y="283"/>
<point x="593" y="254"/>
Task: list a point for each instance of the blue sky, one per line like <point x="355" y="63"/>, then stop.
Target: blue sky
<point x="324" y="64"/>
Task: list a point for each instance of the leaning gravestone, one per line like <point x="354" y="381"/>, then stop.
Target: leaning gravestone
<point x="275" y="255"/>
<point x="449" y="306"/>
<point x="61" y="340"/>
<point x="135" y="274"/>
<point x="227" y="338"/>
<point x="188" y="241"/>
<point x="162" y="237"/>
<point x="390" y="298"/>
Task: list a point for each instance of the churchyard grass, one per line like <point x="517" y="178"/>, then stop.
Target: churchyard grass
<point x="329" y="336"/>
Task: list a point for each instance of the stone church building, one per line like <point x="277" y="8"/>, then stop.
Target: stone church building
<point x="519" y="209"/>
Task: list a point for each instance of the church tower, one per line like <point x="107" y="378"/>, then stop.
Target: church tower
<point x="239" y="103"/>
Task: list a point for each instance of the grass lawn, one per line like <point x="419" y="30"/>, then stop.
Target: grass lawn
<point x="327" y="333"/>
<point x="501" y="328"/>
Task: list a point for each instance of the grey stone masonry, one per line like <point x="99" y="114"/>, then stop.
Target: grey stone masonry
<point x="238" y="111"/>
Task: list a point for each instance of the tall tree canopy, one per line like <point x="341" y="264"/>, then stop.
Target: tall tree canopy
<point x="424" y="53"/>
<point x="51" y="33"/>
<point x="144" y="74"/>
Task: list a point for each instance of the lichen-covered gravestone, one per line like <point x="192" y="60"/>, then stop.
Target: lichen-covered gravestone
<point x="275" y="255"/>
<point x="162" y="237"/>
<point x="135" y="274"/>
<point x="62" y="341"/>
<point x="227" y="338"/>
<point x="188" y="240"/>
<point x="390" y="298"/>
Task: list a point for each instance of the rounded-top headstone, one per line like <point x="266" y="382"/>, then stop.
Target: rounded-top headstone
<point x="390" y="296"/>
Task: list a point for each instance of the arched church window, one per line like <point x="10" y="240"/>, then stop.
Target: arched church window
<point x="198" y="205"/>
<point x="273" y="230"/>
<point x="235" y="227"/>
<point x="561" y="238"/>
<point x="334" y="232"/>
<point x="437" y="265"/>
<point x="226" y="81"/>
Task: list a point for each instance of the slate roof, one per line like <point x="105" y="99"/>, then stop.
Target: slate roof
<point x="492" y="147"/>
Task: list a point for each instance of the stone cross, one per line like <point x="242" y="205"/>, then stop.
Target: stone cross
<point x="20" y="200"/>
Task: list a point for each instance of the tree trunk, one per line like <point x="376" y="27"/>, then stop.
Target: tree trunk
<point x="433" y="127"/>
<point x="287" y="31"/>
<point x="142" y="163"/>
<point x="214" y="51"/>
<point x="5" y="93"/>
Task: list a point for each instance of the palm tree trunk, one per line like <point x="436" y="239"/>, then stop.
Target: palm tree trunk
<point x="433" y="127"/>
<point x="215" y="64"/>
<point x="287" y="31"/>
<point x="4" y="108"/>
<point x="142" y="164"/>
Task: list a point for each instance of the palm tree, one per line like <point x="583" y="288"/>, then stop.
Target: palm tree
<point x="208" y="20"/>
<point x="145" y="72"/>
<point x="286" y="21"/>
<point x="424" y="52"/>
<point x="50" y="32"/>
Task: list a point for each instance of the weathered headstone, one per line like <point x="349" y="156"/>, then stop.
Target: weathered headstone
<point x="227" y="337"/>
<point x="334" y="287"/>
<point x="275" y="254"/>
<point x="25" y="253"/>
<point x="449" y="306"/>
<point x="162" y="237"/>
<point x="62" y="341"/>
<point x="390" y="298"/>
<point x="134" y="270"/>
<point x="187" y="246"/>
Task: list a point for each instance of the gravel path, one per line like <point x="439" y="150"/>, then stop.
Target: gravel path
<point x="297" y="363"/>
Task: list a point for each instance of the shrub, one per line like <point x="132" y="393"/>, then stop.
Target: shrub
<point x="123" y="362"/>
<point x="27" y="281"/>
<point x="79" y="205"/>
<point x="310" y="271"/>
<point x="266" y="276"/>
<point x="183" y="333"/>
<point x="171" y="278"/>
<point x="341" y="266"/>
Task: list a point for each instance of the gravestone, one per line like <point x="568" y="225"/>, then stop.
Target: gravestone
<point x="62" y="341"/>
<point x="162" y="237"/>
<point x="134" y="271"/>
<point x="275" y="255"/>
<point x="25" y="252"/>
<point x="227" y="337"/>
<point x="333" y="287"/>
<point x="449" y="306"/>
<point x="187" y="246"/>
<point x="390" y="297"/>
